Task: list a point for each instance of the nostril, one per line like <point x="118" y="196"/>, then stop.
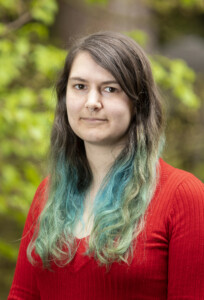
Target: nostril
<point x="93" y="105"/>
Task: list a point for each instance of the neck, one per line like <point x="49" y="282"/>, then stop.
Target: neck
<point x="100" y="159"/>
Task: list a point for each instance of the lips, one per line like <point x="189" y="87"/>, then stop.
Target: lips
<point x="94" y="119"/>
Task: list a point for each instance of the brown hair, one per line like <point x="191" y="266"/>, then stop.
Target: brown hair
<point x="129" y="65"/>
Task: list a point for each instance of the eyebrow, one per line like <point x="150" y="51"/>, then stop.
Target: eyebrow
<point x="84" y="80"/>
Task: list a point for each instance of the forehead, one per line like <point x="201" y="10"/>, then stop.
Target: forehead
<point x="86" y="67"/>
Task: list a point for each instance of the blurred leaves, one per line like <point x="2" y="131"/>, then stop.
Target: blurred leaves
<point x="43" y="10"/>
<point x="176" y="76"/>
<point x="11" y="6"/>
<point x="48" y="59"/>
<point x="138" y="35"/>
<point x="102" y="2"/>
<point x="167" y="5"/>
<point x="29" y="66"/>
<point x="8" y="251"/>
<point x="173" y="76"/>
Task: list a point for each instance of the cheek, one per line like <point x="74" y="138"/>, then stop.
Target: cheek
<point x="73" y="106"/>
<point x="123" y="114"/>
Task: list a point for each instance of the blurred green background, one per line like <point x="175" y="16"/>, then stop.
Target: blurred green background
<point x="34" y="36"/>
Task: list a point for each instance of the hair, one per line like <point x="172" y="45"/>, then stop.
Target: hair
<point x="120" y="205"/>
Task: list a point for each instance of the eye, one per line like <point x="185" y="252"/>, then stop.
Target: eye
<point x="79" y="86"/>
<point x="110" y="89"/>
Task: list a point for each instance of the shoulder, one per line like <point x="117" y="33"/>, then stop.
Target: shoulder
<point x="174" y="180"/>
<point x="178" y="192"/>
<point x="183" y="194"/>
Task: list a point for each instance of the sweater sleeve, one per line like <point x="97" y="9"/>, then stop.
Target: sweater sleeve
<point x="24" y="284"/>
<point x="186" y="249"/>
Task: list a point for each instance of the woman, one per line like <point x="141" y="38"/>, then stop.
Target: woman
<point x="112" y="220"/>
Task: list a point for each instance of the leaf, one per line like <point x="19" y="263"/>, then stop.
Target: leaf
<point x="3" y="206"/>
<point x="43" y="10"/>
<point x="138" y="35"/>
<point x="31" y="30"/>
<point x="102" y="2"/>
<point x="3" y="28"/>
<point x="9" y="5"/>
<point x="8" y="251"/>
<point x="170" y="5"/>
<point x="48" y="60"/>
<point x="22" y="46"/>
<point x="176" y="76"/>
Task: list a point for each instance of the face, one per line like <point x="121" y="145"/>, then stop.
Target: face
<point x="99" y="112"/>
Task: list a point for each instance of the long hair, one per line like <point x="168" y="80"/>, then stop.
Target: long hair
<point x="121" y="203"/>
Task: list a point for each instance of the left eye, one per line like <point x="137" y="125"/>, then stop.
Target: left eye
<point x="110" y="89"/>
<point x="79" y="86"/>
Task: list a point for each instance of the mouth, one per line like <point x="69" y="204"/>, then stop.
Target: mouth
<point x="92" y="120"/>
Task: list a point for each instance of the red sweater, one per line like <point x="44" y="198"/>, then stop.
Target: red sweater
<point x="168" y="261"/>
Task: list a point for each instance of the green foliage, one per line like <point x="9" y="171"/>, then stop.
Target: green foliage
<point x="138" y="35"/>
<point x="47" y="60"/>
<point x="101" y="2"/>
<point x="167" y="5"/>
<point x="10" y="5"/>
<point x="43" y="10"/>
<point x="164" y="6"/>
<point x="8" y="251"/>
<point x="29" y="66"/>
<point x="173" y="76"/>
<point x="176" y="76"/>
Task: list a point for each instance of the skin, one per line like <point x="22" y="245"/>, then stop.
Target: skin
<point x="99" y="112"/>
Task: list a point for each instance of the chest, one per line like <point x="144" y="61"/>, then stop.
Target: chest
<point x="145" y="278"/>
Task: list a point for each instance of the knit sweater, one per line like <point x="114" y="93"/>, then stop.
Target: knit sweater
<point x="168" y="260"/>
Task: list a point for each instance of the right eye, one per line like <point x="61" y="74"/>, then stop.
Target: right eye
<point x="110" y="89"/>
<point x="79" y="86"/>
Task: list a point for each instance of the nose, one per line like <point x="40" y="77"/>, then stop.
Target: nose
<point x="93" y="100"/>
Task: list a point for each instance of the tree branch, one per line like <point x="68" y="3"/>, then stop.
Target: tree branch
<point x="18" y="23"/>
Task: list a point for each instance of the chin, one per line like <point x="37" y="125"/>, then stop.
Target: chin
<point x="104" y="142"/>
<point x="95" y="141"/>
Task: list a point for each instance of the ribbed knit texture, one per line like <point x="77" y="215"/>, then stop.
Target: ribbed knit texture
<point x="168" y="259"/>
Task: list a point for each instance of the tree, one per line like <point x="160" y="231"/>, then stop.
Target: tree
<point x="29" y="65"/>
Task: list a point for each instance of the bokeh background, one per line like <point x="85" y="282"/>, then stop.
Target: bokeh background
<point x="34" y="38"/>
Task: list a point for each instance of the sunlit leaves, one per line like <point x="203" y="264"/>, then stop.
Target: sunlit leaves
<point x="28" y="71"/>
<point x="167" y="5"/>
<point x="97" y="1"/>
<point x="48" y="60"/>
<point x="177" y="77"/>
<point x="12" y="59"/>
<point x="138" y="35"/>
<point x="2" y="29"/>
<point x="43" y="10"/>
<point x="22" y="47"/>
<point x="33" y="31"/>
<point x="10" y="5"/>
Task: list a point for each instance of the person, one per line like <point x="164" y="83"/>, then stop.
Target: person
<point x="112" y="220"/>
